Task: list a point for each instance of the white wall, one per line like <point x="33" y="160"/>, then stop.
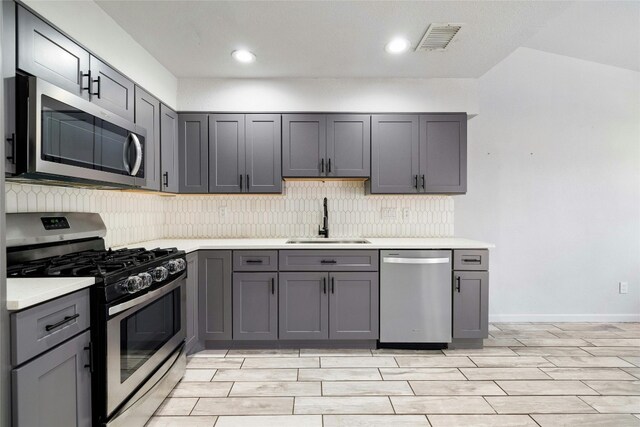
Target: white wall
<point x="86" y="22"/>
<point x="554" y="182"/>
<point x="383" y="95"/>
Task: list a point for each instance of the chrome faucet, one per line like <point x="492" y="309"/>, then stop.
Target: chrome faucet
<point x="324" y="231"/>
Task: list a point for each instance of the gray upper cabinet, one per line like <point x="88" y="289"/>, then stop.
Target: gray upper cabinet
<point x="192" y="302"/>
<point x="45" y="52"/>
<point x="304" y="145"/>
<point x="303" y="306"/>
<point x="111" y="90"/>
<point x="263" y="164"/>
<point x="169" y="158"/>
<point x="54" y="390"/>
<point x="443" y="153"/>
<point x="348" y="145"/>
<point x="395" y="141"/>
<point x="470" y="304"/>
<point x="226" y="153"/>
<point x="193" y="147"/>
<point x="255" y="306"/>
<point x="8" y="78"/>
<point x="214" y="295"/>
<point x="147" y="115"/>
<point x="353" y="306"/>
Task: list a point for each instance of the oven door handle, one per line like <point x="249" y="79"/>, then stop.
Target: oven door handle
<point x="144" y="298"/>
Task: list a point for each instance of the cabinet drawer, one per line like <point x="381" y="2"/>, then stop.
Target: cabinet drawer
<point x="255" y="260"/>
<point x="471" y="259"/>
<point x="328" y="260"/>
<point x="37" y="329"/>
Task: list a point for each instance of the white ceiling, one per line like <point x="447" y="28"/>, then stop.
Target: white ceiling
<point x="347" y="38"/>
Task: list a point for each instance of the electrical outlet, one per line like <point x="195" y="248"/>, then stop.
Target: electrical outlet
<point x="388" y="213"/>
<point x="623" y="287"/>
<point x="406" y="214"/>
<point x="222" y="211"/>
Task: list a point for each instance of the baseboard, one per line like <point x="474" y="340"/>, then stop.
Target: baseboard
<point x="515" y="318"/>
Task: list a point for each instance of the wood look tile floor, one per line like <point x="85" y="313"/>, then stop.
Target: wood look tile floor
<point x="528" y="374"/>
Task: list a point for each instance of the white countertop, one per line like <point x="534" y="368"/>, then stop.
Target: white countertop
<point x="23" y="293"/>
<point x="190" y="245"/>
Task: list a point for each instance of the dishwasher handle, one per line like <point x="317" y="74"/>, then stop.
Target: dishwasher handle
<point x="392" y="260"/>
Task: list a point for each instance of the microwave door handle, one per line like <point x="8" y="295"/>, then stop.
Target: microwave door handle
<point x="125" y="155"/>
<point x="138" y="162"/>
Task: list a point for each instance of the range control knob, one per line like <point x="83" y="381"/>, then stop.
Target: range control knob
<point x="132" y="285"/>
<point x="159" y="274"/>
<point x="147" y="280"/>
<point x="172" y="266"/>
<point x="182" y="264"/>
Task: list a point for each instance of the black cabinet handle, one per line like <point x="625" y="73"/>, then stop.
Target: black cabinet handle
<point x="254" y="261"/>
<point x="472" y="261"/>
<point x="333" y="285"/>
<point x="90" y="364"/>
<point x="458" y="284"/>
<point x="423" y="182"/>
<point x="166" y="179"/>
<point x="329" y="165"/>
<point x="416" y="182"/>
<point x="67" y="319"/>
<point x="12" y="140"/>
<point x="240" y="182"/>
<point x="89" y="81"/>
<point x="324" y="284"/>
<point x="247" y="182"/>
<point x="322" y="165"/>
<point x="273" y="286"/>
<point x="328" y="261"/>
<point x="98" y="92"/>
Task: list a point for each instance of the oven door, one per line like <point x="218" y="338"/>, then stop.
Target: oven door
<point x="141" y="334"/>
<point x="70" y="138"/>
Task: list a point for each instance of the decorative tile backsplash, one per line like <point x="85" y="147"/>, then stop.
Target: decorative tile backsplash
<point x="133" y="217"/>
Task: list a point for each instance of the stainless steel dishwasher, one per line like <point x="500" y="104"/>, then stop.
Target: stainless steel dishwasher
<point x="415" y="296"/>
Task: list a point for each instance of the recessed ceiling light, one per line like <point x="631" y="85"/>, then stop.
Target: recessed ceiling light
<point x="243" y="56"/>
<point x="397" y="45"/>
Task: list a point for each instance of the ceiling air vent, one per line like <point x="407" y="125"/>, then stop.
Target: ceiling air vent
<point x="438" y="37"/>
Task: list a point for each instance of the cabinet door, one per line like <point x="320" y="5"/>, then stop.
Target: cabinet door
<point x="471" y="304"/>
<point x="9" y="83"/>
<point x="46" y="53"/>
<point x="193" y="153"/>
<point x="264" y="153"/>
<point x="353" y="306"/>
<point x="348" y="145"/>
<point x="255" y="306"/>
<point x="169" y="158"/>
<point x="147" y="114"/>
<point x="226" y="153"/>
<point x="192" y="301"/>
<point x="303" y="306"/>
<point x="443" y="153"/>
<point x="111" y="90"/>
<point x="304" y="145"/>
<point x="394" y="154"/>
<point x="54" y="390"/>
<point x="214" y="294"/>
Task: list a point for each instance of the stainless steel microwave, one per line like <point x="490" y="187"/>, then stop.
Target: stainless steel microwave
<point x="62" y="137"/>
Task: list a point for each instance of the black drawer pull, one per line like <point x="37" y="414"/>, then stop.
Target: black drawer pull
<point x="328" y="261"/>
<point x="475" y="261"/>
<point x="67" y="319"/>
<point x="254" y="261"/>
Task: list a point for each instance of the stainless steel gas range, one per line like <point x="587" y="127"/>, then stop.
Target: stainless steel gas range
<point x="137" y="308"/>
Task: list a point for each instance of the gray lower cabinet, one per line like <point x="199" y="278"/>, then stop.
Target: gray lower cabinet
<point x="192" y="302"/>
<point x="255" y="306"/>
<point x="214" y="295"/>
<point x="354" y="306"/>
<point x="111" y="90"/>
<point x="470" y="304"/>
<point x="193" y="153"/>
<point x="147" y="115"/>
<point x="348" y="145"/>
<point x="303" y="306"/>
<point x="395" y="141"/>
<point x="443" y="153"/>
<point x="169" y="153"/>
<point x="54" y="390"/>
<point x="304" y="145"/>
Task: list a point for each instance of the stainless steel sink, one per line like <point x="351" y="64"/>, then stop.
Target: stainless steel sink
<point x="328" y="241"/>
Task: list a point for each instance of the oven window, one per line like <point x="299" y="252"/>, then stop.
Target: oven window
<point x="146" y="331"/>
